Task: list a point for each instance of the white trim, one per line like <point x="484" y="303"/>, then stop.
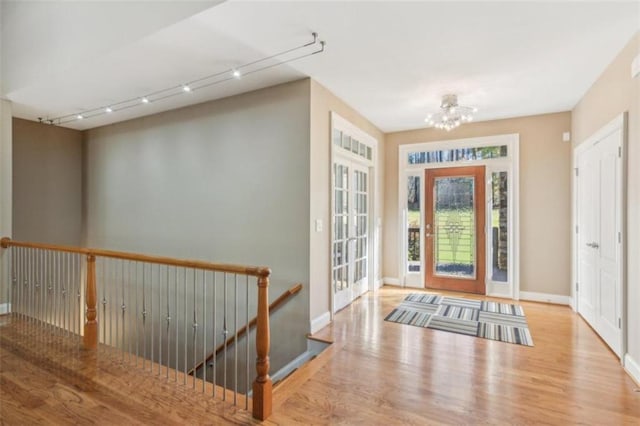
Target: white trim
<point x="391" y="281"/>
<point x="510" y="164"/>
<point x="557" y="299"/>
<point x="379" y="283"/>
<point x="320" y="322"/>
<point x="5" y="308"/>
<point x="632" y="368"/>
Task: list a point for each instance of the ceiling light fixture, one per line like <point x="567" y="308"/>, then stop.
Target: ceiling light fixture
<point x="265" y="63"/>
<point x="451" y="114"/>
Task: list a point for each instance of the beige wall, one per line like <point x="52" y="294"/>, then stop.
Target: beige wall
<point x="322" y="103"/>
<point x="545" y="194"/>
<point x="612" y="94"/>
<point x="47" y="183"/>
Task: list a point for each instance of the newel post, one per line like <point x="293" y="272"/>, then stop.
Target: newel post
<point x="262" y="385"/>
<point x="91" y="325"/>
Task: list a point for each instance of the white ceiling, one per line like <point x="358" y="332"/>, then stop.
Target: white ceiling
<point x="391" y="61"/>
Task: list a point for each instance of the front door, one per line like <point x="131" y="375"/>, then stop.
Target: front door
<point x="350" y="232"/>
<point x="455" y="229"/>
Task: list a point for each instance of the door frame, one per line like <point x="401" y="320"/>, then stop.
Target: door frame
<point x="479" y="175"/>
<point x="337" y="122"/>
<point x="510" y="164"/>
<point x="618" y="123"/>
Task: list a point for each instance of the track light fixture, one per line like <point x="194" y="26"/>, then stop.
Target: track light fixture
<point x="205" y="81"/>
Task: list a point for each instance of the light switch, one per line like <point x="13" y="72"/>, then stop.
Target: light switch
<point x="318" y="225"/>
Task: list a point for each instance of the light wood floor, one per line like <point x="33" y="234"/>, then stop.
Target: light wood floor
<point x="376" y="373"/>
<point x="382" y="373"/>
<point x="46" y="379"/>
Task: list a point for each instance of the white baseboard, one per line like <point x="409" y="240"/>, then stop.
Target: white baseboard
<point x="545" y="297"/>
<point x="379" y="283"/>
<point x="320" y="322"/>
<point x="391" y="281"/>
<point x="5" y="308"/>
<point x="632" y="368"/>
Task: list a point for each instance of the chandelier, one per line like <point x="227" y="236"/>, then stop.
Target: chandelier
<point x="451" y="115"/>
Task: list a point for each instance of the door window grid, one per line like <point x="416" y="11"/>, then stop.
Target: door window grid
<point x="351" y="144"/>
<point x="341" y="220"/>
<point x="361" y="214"/>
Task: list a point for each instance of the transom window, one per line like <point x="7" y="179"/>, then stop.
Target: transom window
<point x="459" y="154"/>
<point x="351" y="144"/>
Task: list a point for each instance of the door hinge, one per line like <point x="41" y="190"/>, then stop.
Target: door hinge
<point x="576" y="229"/>
<point x="576" y="170"/>
<point x="576" y="286"/>
<point x="619" y="322"/>
<point x="620" y="151"/>
<point x="619" y="237"/>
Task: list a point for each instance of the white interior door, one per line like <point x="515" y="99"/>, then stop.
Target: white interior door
<point x="350" y="240"/>
<point x="599" y="238"/>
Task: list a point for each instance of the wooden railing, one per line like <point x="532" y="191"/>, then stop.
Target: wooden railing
<point x="34" y="263"/>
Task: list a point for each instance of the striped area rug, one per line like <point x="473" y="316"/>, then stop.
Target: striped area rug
<point x="490" y="320"/>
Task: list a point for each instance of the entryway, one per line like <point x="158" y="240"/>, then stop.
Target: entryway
<point x="455" y="229"/>
<point x="458" y="208"/>
<point x="599" y="204"/>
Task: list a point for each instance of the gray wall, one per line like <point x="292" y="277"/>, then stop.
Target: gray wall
<point x="225" y="181"/>
<point x="47" y="182"/>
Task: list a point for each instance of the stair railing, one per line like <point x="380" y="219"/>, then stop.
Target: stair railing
<point x="159" y="313"/>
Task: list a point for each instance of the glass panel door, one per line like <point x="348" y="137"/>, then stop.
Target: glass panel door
<point x="350" y="242"/>
<point x="454" y="229"/>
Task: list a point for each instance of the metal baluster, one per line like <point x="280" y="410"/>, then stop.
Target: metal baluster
<point x="175" y="303"/>
<point x="144" y="316"/>
<point x="204" y="330"/>
<point x="65" y="285"/>
<point x="168" y="317"/>
<point x="185" y="329"/>
<point x="247" y="340"/>
<point x="50" y="294"/>
<point x="123" y="307"/>
<point x="134" y="285"/>
<point x="79" y="294"/>
<point x="151" y="310"/>
<point x="194" y="326"/>
<point x="214" y="359"/>
<point x="235" y="340"/>
<point x="104" y="301"/>
<point x="131" y="316"/>
<point x="224" y="336"/>
<point x="159" y="320"/>
<point x="14" y="279"/>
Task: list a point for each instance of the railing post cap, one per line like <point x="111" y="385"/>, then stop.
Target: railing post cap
<point x="4" y="242"/>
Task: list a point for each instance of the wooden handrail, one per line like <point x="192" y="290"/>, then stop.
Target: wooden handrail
<point x="272" y="308"/>
<point x="256" y="271"/>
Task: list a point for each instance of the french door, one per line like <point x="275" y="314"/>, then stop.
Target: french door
<point x="350" y="240"/>
<point x="455" y="229"/>
<point x="599" y="242"/>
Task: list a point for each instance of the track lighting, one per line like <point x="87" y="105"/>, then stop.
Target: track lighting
<point x="236" y="73"/>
